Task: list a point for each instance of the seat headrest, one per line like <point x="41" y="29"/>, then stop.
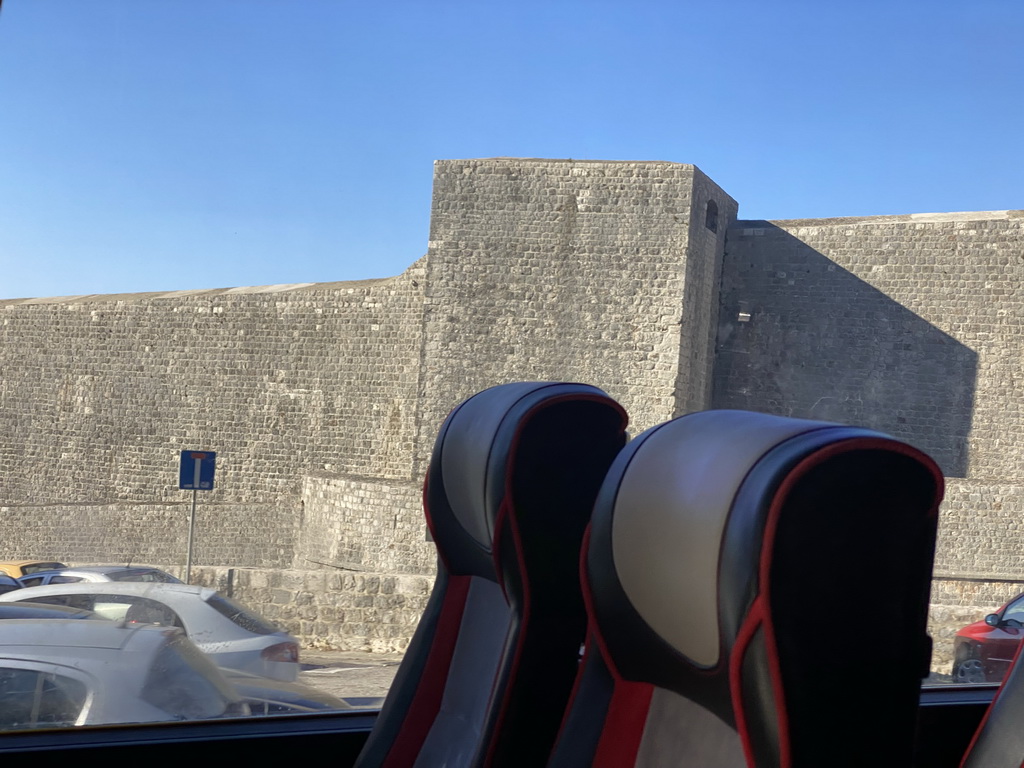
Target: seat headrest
<point x="669" y="518"/>
<point x="682" y="533"/>
<point x="480" y="448"/>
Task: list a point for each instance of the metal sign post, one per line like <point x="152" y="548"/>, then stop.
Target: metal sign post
<point x="195" y="474"/>
<point x="191" y="535"/>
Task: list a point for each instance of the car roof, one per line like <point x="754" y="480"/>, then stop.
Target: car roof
<point x="19" y="563"/>
<point x="103" y="569"/>
<point x="44" y="611"/>
<point x="100" y="634"/>
<point x="141" y="588"/>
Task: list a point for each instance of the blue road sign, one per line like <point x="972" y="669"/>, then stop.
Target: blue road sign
<point x="197" y="469"/>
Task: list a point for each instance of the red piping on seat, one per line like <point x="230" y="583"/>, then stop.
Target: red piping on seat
<point x="588" y="645"/>
<point x="623" y="728"/>
<point x="505" y="515"/>
<point x="760" y="611"/>
<point x="754" y="621"/>
<point x="624" y="725"/>
<point x="426" y="702"/>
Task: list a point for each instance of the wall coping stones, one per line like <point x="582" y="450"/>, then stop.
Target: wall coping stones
<point x="157" y="295"/>
<point x="904" y="217"/>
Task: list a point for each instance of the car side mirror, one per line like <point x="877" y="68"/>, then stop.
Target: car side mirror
<point x="992" y="619"/>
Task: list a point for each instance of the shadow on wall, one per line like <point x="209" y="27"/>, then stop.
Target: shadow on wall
<point x="801" y="336"/>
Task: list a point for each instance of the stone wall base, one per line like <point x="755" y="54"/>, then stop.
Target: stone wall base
<point x="329" y="610"/>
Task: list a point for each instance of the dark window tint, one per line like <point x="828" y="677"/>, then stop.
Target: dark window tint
<point x="139" y="610"/>
<point x="142" y="574"/>
<point x="242" y="616"/>
<point x="36" y="567"/>
<point x="74" y="601"/>
<point x="34" y="581"/>
<point x="144" y="611"/>
<point x="34" y="699"/>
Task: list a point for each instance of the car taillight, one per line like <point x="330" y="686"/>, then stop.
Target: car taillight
<point x="281" y="652"/>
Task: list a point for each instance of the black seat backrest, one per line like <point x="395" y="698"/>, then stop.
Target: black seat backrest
<point x="746" y="577"/>
<point x="509" y="491"/>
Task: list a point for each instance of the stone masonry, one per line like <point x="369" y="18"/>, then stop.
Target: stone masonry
<point x="907" y="324"/>
<point x="323" y="400"/>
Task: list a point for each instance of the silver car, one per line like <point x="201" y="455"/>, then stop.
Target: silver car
<point x="59" y="672"/>
<point x="231" y="634"/>
<point x="93" y="573"/>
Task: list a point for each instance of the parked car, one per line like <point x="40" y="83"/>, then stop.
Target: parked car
<point x="8" y="583"/>
<point x="983" y="651"/>
<point x="277" y="697"/>
<point x="93" y="573"/>
<point x="233" y="635"/>
<point x="66" y="673"/>
<point x="18" y="568"/>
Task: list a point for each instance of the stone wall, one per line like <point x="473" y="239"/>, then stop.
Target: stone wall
<point x="323" y="400"/>
<point x="100" y="393"/>
<point x="907" y="324"/>
<point x="332" y="609"/>
<point x="246" y="534"/>
<point x="363" y="525"/>
<point x="602" y="272"/>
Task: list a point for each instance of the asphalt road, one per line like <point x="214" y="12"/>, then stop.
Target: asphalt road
<point x="361" y="679"/>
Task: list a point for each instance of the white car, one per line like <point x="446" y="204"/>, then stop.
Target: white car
<point x="60" y="672"/>
<point x="232" y="635"/>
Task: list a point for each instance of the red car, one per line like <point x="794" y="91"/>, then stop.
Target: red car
<point x="984" y="650"/>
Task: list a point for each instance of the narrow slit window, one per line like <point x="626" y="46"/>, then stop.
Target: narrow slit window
<point x="711" y="216"/>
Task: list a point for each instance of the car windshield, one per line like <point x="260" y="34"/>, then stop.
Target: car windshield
<point x="253" y="255"/>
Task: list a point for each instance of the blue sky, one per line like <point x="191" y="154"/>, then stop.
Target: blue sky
<point x="151" y="145"/>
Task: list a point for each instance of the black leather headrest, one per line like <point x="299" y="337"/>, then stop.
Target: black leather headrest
<point x="684" y="531"/>
<point x="479" y="450"/>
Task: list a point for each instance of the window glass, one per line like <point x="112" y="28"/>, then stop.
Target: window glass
<point x="72" y="601"/>
<point x="241" y="616"/>
<point x="36" y="567"/>
<point x="321" y="450"/>
<point x="973" y="646"/>
<point x="9" y="584"/>
<point x="1014" y="611"/>
<point x="31" y="698"/>
<point x="155" y="577"/>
